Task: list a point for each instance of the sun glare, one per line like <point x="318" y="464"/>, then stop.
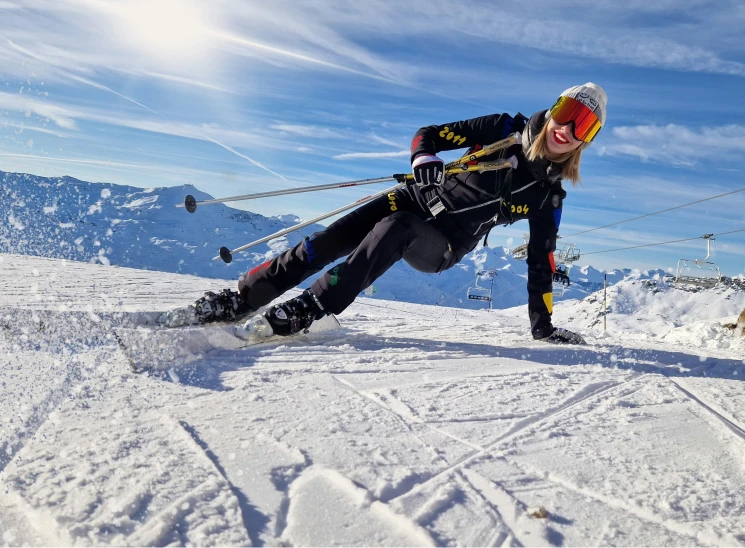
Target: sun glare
<point x="165" y="28"/>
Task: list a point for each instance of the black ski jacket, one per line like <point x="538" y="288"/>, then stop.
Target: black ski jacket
<point x="476" y="202"/>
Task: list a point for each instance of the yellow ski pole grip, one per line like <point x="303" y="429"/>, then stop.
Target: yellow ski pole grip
<point x="503" y="163"/>
<point x="512" y="139"/>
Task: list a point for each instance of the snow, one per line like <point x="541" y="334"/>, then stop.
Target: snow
<point x="414" y="425"/>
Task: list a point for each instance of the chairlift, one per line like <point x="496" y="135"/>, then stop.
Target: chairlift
<point x="568" y="254"/>
<point x="479" y="293"/>
<point x="520" y="253"/>
<point x="560" y="281"/>
<point x="699" y="272"/>
<point x="563" y="258"/>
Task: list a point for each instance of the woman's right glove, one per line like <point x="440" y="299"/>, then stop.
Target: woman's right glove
<point x="428" y="169"/>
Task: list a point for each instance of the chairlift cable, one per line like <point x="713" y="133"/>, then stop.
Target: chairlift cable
<point x="655" y="213"/>
<point x="661" y="243"/>
<point x="453" y="294"/>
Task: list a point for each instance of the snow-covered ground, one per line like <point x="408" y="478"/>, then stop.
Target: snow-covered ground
<point x="413" y="425"/>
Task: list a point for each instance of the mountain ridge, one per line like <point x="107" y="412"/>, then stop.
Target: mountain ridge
<point x="66" y="218"/>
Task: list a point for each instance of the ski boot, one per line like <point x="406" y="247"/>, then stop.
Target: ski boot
<point x="225" y="306"/>
<point x="564" y="336"/>
<point x="288" y="318"/>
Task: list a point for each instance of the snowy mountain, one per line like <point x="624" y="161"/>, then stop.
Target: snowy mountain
<point x="413" y="425"/>
<point x="126" y="226"/>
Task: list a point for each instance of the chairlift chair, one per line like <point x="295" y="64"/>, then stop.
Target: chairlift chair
<point x="568" y="254"/>
<point x="479" y="293"/>
<point x="557" y="290"/>
<point x="560" y="281"/>
<point x="699" y="272"/>
<point x="521" y="252"/>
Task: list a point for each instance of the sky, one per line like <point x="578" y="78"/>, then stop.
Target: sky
<point x="243" y="96"/>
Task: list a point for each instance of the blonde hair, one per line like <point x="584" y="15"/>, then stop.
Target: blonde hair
<point x="571" y="160"/>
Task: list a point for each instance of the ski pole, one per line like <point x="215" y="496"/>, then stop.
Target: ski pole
<point x="191" y="203"/>
<point x="227" y="255"/>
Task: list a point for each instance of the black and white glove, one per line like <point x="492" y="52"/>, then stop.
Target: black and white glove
<point x="428" y="169"/>
<point x="564" y="336"/>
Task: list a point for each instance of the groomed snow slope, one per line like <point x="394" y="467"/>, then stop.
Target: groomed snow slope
<point x="414" y="425"/>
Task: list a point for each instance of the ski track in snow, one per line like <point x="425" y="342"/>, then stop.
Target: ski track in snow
<point x="413" y="425"/>
<point x="729" y="423"/>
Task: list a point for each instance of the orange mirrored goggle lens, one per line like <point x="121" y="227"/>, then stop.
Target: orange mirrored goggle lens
<point x="584" y="121"/>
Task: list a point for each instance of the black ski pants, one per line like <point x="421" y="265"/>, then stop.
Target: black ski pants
<point x="373" y="237"/>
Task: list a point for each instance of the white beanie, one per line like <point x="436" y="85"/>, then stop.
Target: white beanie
<point x="592" y="96"/>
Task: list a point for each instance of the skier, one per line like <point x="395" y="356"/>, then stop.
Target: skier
<point x="432" y="224"/>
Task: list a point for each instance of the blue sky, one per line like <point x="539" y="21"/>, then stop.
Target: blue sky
<point x="240" y="96"/>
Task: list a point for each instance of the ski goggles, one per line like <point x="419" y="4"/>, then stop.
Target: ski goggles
<point x="585" y="123"/>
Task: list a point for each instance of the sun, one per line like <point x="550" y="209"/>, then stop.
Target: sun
<point x="163" y="28"/>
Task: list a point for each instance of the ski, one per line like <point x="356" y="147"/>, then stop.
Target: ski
<point x="156" y="347"/>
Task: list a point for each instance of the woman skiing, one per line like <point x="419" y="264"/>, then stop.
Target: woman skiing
<point x="432" y="224"/>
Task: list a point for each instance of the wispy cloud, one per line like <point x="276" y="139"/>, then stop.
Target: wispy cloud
<point x="603" y="31"/>
<point x="625" y="191"/>
<point x="372" y="155"/>
<point x="254" y="162"/>
<point x="678" y="145"/>
<point x="67" y="117"/>
<point x="63" y="117"/>
<point x="35" y="159"/>
<point x="96" y="85"/>
<point x="23" y="127"/>
<point x="383" y="141"/>
<point x="83" y="161"/>
<point x="315" y="132"/>
<point x="192" y="82"/>
<point x="306" y="58"/>
<point x="226" y="147"/>
<point x="315" y="32"/>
